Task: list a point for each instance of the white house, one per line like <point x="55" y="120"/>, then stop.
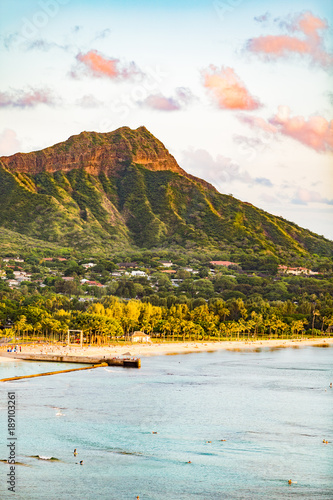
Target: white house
<point x="12" y="283"/>
<point x="166" y="264"/>
<point x="139" y="337"/>
<point x="88" y="265"/>
<point x="138" y="273"/>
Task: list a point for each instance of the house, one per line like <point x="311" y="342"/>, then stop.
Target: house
<point x="22" y="276"/>
<point x="166" y="264"/>
<point x="14" y="260"/>
<point x="138" y="273"/>
<point x="176" y="282"/>
<point x="93" y="283"/>
<point x="139" y="337"/>
<point x="50" y="259"/>
<point x="12" y="283"/>
<point x="225" y="263"/>
<point x="296" y="271"/>
<point x="88" y="265"/>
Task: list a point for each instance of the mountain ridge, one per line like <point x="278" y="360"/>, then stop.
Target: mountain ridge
<point x="107" y="152"/>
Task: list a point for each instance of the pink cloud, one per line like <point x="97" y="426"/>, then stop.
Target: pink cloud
<point x="9" y="143"/>
<point x="162" y="103"/>
<point x="228" y="90"/>
<point x="183" y="97"/>
<point x="310" y="24"/>
<point x="258" y="122"/>
<point x="25" y="99"/>
<point x="307" y="42"/>
<point x="304" y="196"/>
<point x="95" y="64"/>
<point x="315" y="132"/>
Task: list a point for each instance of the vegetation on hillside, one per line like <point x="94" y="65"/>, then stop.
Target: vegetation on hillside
<point x="144" y="209"/>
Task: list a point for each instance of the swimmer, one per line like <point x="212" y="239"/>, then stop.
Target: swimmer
<point x="331" y="385"/>
<point x="290" y="481"/>
<point x="75" y="452"/>
<point x="154" y="432"/>
<point x="81" y="462"/>
<point x="189" y="462"/>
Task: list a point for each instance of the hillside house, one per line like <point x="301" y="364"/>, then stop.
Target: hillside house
<point x="127" y="265"/>
<point x="138" y="273"/>
<point x="88" y="265"/>
<point x="225" y="263"/>
<point x="296" y="271"/>
<point x="166" y="263"/>
<point x="22" y="276"/>
<point x="12" y="283"/>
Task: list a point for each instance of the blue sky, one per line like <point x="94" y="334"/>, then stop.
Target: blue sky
<point x="238" y="91"/>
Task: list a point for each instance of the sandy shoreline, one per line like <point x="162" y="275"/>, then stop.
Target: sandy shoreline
<point x="169" y="348"/>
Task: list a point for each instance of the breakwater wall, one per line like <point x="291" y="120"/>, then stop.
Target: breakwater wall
<point x="11" y="379"/>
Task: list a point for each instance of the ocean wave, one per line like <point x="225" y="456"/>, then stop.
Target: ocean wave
<point x="42" y="457"/>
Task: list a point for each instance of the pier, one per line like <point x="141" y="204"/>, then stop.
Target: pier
<point x="125" y="361"/>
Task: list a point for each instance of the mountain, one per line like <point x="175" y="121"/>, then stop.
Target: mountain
<point x="123" y="189"/>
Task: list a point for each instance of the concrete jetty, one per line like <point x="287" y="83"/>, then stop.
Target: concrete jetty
<point x="125" y="361"/>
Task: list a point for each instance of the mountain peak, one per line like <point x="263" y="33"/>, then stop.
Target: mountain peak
<point x="96" y="152"/>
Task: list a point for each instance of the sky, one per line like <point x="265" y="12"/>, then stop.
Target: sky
<point x="239" y="91"/>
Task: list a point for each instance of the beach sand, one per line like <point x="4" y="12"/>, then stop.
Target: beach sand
<point x="168" y="348"/>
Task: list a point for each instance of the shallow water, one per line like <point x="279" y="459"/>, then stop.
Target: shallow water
<point x="273" y="408"/>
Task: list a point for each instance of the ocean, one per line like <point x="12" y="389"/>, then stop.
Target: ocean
<point x="204" y="426"/>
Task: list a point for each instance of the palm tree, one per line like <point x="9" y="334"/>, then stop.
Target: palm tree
<point x="314" y="314"/>
<point x="328" y="320"/>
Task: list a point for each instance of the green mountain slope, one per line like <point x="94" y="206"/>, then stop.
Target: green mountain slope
<point x="123" y="190"/>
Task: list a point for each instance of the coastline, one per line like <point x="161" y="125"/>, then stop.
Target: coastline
<point x="170" y="348"/>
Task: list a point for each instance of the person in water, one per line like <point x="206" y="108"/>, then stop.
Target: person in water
<point x="75" y="452"/>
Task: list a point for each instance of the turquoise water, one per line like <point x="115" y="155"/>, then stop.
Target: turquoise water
<point x="273" y="408"/>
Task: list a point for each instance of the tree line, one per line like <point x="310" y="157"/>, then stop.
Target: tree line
<point x="112" y="319"/>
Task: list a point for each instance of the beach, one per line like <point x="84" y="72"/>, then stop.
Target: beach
<point x="167" y="348"/>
